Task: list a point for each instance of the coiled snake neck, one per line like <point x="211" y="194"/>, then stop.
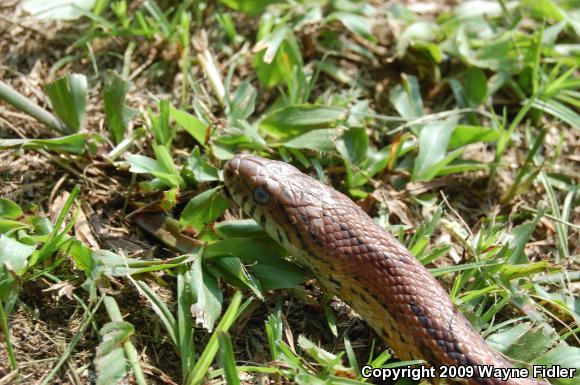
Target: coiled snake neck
<point x="360" y="262"/>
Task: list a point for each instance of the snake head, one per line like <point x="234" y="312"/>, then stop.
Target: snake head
<point x="254" y="181"/>
<point x="275" y="194"/>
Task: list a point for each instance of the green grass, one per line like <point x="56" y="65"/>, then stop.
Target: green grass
<point x="456" y="130"/>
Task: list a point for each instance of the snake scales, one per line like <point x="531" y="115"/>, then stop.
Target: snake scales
<point x="361" y="263"/>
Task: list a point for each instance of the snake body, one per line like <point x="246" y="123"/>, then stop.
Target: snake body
<point x="360" y="262"/>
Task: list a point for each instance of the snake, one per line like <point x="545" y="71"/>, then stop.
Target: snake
<point x="364" y="265"/>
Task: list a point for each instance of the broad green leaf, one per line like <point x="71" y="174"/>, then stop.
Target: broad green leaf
<point x="233" y="271"/>
<point x="242" y="228"/>
<point x="57" y="9"/>
<point x="201" y="170"/>
<point x="431" y="50"/>
<point x="111" y="363"/>
<point x="243" y="103"/>
<point x="521" y="236"/>
<point x="451" y="166"/>
<point x="420" y="31"/>
<point x="41" y="225"/>
<point x="477" y="8"/>
<point x="354" y="145"/>
<point x="278" y="274"/>
<point x="524" y="342"/>
<point x="248" y="250"/>
<point x="406" y="98"/>
<point x="72" y="144"/>
<point x="117" y="114"/>
<point x="265" y="259"/>
<point x="319" y="140"/>
<point x="475" y="86"/>
<point x="433" y="143"/>
<point x="296" y="119"/>
<point x="565" y="357"/>
<point x="8" y="226"/>
<point x="499" y="54"/>
<point x="68" y="97"/>
<point x="141" y="164"/>
<point x="510" y="272"/>
<point x="165" y="159"/>
<point x="160" y="126"/>
<point x="543" y="9"/>
<point x="202" y="209"/>
<point x="82" y="257"/>
<point x="9" y="209"/>
<point x="358" y="24"/>
<point x="13" y="259"/>
<point x="464" y="135"/>
<point x="195" y="127"/>
<point x="207" y="294"/>
<point x="13" y="254"/>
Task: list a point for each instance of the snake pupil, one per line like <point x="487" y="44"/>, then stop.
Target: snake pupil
<point x="261" y="196"/>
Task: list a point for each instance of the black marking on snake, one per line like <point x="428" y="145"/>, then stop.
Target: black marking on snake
<point x="404" y="259"/>
<point x="449" y="347"/>
<point x="286" y="193"/>
<point x="386" y="333"/>
<point x="457" y="357"/>
<point x="263" y="220"/>
<point x="364" y="298"/>
<point x="244" y="201"/>
<point x="279" y="234"/>
<point x="312" y="234"/>
<point x="376" y="297"/>
<point x="314" y="237"/>
<point x="334" y="281"/>
<point x="252" y="211"/>
<point x="416" y="309"/>
<point x="385" y="255"/>
<point x="343" y="227"/>
<point x="426" y="351"/>
<point x="424" y="320"/>
<point x="287" y="233"/>
<point x="297" y="233"/>
<point x="433" y="334"/>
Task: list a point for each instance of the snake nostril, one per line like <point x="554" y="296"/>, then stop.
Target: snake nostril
<point x="232" y="165"/>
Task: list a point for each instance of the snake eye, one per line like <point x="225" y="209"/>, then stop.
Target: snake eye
<point x="261" y="196"/>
